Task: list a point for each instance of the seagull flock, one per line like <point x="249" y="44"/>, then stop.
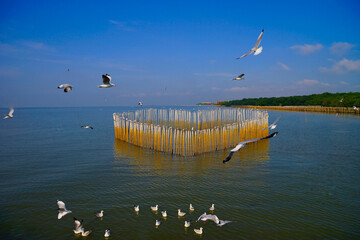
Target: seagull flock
<point x="79" y="227"/>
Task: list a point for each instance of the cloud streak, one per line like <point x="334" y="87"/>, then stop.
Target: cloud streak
<point x="307" y="48"/>
<point x="309" y="82"/>
<point x="343" y="66"/>
<point x="236" y="89"/>
<point x="340" y="48"/>
<point x="284" y="66"/>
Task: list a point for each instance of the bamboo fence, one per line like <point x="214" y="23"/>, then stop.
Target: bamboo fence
<point x="188" y="133"/>
<point x="320" y="109"/>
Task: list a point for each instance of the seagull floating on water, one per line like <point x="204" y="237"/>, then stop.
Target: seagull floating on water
<point x="164" y="214"/>
<point x="136" y="208"/>
<point x="212" y="208"/>
<point x="86" y="126"/>
<point x="155" y="208"/>
<point x="100" y="214"/>
<point x="157" y="222"/>
<point x="180" y="213"/>
<point x="107" y="233"/>
<point x="240" y="77"/>
<point x="272" y="126"/>
<point x="78" y="226"/>
<point x="242" y="144"/>
<point x="66" y="87"/>
<point x="256" y="49"/>
<point x="191" y="208"/>
<point x="106" y="81"/>
<point x="198" y="231"/>
<point x="187" y="223"/>
<point x="10" y="114"/>
<point x="62" y="209"/>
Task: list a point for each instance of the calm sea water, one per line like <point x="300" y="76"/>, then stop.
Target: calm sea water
<point x="302" y="184"/>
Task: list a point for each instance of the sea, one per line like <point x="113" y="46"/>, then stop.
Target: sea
<point x="302" y="184"/>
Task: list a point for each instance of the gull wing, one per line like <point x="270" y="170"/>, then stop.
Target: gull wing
<point x="201" y="216"/>
<point x="241" y="75"/>
<point x="61" y="205"/>
<point x="11" y="111"/>
<point x="106" y="79"/>
<point x="275" y="121"/>
<point x="246" y="54"/>
<point x="78" y="224"/>
<point x="259" y="39"/>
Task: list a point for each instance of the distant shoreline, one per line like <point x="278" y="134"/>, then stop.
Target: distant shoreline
<point x="320" y="109"/>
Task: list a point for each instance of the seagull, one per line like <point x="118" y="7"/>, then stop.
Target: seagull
<point x="256" y="49"/>
<point x="10" y="114"/>
<point x="106" y="81"/>
<point x="155" y="208"/>
<point x="136" y="208"/>
<point x="100" y="214"/>
<point x="356" y="108"/>
<point x="198" y="231"/>
<point x="212" y="208"/>
<point x="107" y="233"/>
<point x="140" y="103"/>
<point x="202" y="216"/>
<point x="66" y="87"/>
<point x="272" y="126"/>
<point x="86" y="126"/>
<point x="187" y="223"/>
<point x="222" y="223"/>
<point x="242" y="144"/>
<point x="78" y="226"/>
<point x="164" y="214"/>
<point x="341" y="100"/>
<point x="157" y="222"/>
<point x="240" y="77"/>
<point x="85" y="233"/>
<point x="62" y="209"/>
<point x="191" y="208"/>
<point x="180" y="213"/>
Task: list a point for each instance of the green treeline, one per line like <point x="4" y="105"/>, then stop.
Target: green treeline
<point x="325" y="99"/>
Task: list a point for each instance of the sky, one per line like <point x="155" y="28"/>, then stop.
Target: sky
<point x="174" y="52"/>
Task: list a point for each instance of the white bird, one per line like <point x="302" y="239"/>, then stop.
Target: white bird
<point x="78" y="226"/>
<point x="356" y="108"/>
<point x="107" y="233"/>
<point x="100" y="214"/>
<point x="242" y="144"/>
<point x="212" y="208"/>
<point x="136" y="208"/>
<point x="66" y="87"/>
<point x="157" y="222"/>
<point x="187" y="223"/>
<point x="256" y="49"/>
<point x="86" y="126"/>
<point x="272" y="126"/>
<point x="202" y="216"/>
<point x="180" y="213"/>
<point x="140" y="103"/>
<point x="240" y="77"/>
<point x="155" y="208"/>
<point x="62" y="209"/>
<point x="10" y="114"/>
<point x="191" y="208"/>
<point x="106" y="81"/>
<point x="222" y="223"/>
<point x="164" y="214"/>
<point x="198" y="231"/>
<point x="341" y="100"/>
<point x="85" y="233"/>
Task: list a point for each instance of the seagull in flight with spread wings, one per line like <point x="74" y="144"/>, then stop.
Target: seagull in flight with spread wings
<point x="256" y="49"/>
<point x="272" y="126"/>
<point x="10" y="114"/>
<point x="240" y="77"/>
<point x="106" y="81"/>
<point x="66" y="87"/>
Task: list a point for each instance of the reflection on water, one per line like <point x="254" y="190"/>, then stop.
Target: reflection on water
<point x="253" y="153"/>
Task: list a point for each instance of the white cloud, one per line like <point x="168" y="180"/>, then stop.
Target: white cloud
<point x="214" y="74"/>
<point x="284" y="66"/>
<point x="309" y="82"/>
<point x="236" y="89"/>
<point x="126" y="26"/>
<point x="307" y="48"/>
<point x="343" y="66"/>
<point x="344" y="83"/>
<point x="340" y="48"/>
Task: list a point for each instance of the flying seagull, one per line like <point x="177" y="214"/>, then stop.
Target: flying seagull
<point x="10" y="114"/>
<point x="140" y="103"/>
<point x="242" y="144"/>
<point x="106" y="81"/>
<point x="62" y="209"/>
<point x="78" y="226"/>
<point x="86" y="126"/>
<point x="66" y="87"/>
<point x="100" y="214"/>
<point x="272" y="126"/>
<point x="356" y="108"/>
<point x="107" y="233"/>
<point x="240" y="77"/>
<point x="256" y="49"/>
<point x="222" y="223"/>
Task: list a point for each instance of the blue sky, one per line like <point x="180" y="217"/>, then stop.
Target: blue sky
<point x="165" y="53"/>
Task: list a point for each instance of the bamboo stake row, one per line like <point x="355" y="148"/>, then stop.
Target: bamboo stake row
<point x="188" y="133"/>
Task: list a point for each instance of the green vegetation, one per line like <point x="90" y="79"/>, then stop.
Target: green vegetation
<point x="325" y="99"/>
